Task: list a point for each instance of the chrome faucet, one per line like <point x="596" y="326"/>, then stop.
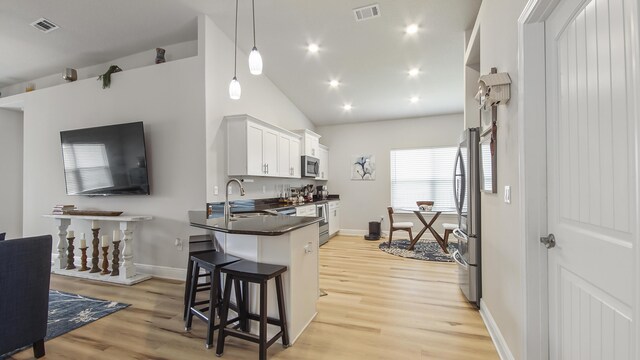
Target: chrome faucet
<point x="227" y="207"/>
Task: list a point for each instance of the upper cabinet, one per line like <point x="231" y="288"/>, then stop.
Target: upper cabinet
<point x="310" y="142"/>
<point x="256" y="148"/>
<point x="323" y="155"/>
<point x="288" y="156"/>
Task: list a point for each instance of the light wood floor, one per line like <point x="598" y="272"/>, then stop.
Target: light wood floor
<point x="379" y="307"/>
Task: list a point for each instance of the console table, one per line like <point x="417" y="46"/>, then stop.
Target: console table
<point x="128" y="274"/>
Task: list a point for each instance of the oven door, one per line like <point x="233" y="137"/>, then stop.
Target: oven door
<point x="322" y="212"/>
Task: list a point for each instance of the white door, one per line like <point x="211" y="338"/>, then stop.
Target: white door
<point x="592" y="178"/>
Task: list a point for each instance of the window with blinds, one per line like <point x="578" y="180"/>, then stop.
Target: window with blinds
<point x="422" y="174"/>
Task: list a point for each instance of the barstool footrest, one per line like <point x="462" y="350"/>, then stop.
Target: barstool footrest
<point x="270" y="320"/>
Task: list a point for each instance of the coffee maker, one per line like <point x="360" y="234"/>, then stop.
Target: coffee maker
<point x="321" y="192"/>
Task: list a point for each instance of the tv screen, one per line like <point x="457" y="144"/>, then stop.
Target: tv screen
<point x="105" y="160"/>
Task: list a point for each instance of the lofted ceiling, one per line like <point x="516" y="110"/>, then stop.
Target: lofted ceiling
<point x="370" y="58"/>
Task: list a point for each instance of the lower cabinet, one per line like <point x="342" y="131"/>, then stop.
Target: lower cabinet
<point x="334" y="217"/>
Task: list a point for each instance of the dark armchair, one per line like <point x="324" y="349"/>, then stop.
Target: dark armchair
<point x="25" y="269"/>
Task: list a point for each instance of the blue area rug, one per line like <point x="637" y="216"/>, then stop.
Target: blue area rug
<point x="423" y="250"/>
<point x="71" y="311"/>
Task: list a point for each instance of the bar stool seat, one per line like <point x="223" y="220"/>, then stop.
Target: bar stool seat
<point x="246" y="271"/>
<point x="195" y="248"/>
<point x="211" y="262"/>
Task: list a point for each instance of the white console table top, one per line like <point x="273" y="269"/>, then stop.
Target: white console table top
<point x="102" y="218"/>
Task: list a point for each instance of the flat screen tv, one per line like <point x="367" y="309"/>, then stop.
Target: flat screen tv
<point x="105" y="160"/>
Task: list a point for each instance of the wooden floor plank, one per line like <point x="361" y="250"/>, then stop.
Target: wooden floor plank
<point x="379" y="306"/>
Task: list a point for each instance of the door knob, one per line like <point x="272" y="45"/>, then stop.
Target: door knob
<point x="549" y="241"/>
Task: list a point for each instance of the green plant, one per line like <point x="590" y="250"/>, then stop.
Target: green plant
<point x="106" y="77"/>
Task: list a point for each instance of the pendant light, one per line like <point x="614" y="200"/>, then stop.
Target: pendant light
<point x="255" y="60"/>
<point x="234" y="86"/>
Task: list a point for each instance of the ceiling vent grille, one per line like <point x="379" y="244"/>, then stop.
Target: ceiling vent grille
<point x="367" y="12"/>
<point x="44" y="25"/>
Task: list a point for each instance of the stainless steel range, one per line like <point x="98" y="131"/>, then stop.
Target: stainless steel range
<point x="322" y="211"/>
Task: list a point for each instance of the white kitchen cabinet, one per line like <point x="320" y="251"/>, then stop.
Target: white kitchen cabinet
<point x="294" y="156"/>
<point x="310" y="142"/>
<point x="288" y="156"/>
<point x="253" y="148"/>
<point x="323" y="155"/>
<point x="334" y="217"/>
<point x="262" y="151"/>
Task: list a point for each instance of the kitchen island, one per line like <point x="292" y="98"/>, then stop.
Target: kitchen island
<point x="274" y="239"/>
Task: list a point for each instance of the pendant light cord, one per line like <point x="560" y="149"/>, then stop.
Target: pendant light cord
<point x="253" y="9"/>
<point x="235" y="49"/>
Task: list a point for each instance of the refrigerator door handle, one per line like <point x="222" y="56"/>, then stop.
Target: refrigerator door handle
<point x="455" y="179"/>
<point x="458" y="258"/>
<point x="459" y="234"/>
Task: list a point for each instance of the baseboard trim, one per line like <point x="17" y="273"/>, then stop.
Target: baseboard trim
<point x="494" y="332"/>
<point x="164" y="272"/>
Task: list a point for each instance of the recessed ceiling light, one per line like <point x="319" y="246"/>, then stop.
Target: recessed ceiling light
<point x="414" y="72"/>
<point x="347" y="107"/>
<point x="414" y="99"/>
<point x="313" y="48"/>
<point x="411" y="29"/>
<point x="334" y="83"/>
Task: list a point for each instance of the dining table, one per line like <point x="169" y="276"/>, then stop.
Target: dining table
<point x="433" y="213"/>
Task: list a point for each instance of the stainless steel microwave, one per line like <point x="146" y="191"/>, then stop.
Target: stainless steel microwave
<point x="310" y="166"/>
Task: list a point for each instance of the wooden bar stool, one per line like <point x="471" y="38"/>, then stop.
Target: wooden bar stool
<point x="194" y="249"/>
<point x="211" y="262"/>
<point x="251" y="272"/>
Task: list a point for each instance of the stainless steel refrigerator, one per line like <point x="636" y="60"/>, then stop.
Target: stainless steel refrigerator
<point x="466" y="188"/>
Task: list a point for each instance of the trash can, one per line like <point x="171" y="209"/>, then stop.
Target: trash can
<point x="374" y="230"/>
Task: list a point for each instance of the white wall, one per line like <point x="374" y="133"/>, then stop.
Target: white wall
<point x="364" y="201"/>
<point x="260" y="98"/>
<point x="502" y="248"/>
<point x="173" y="52"/>
<point x="11" y="173"/>
<point x="169" y="99"/>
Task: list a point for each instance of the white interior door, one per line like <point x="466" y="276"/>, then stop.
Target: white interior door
<point x="592" y="178"/>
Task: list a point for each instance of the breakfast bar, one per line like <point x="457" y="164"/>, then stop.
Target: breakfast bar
<point x="274" y="239"/>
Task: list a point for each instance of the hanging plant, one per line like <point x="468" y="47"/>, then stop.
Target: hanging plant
<point x="106" y="77"/>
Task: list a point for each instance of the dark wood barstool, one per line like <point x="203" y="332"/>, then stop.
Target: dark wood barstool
<point x="251" y="272"/>
<point x="194" y="249"/>
<point x="210" y="262"/>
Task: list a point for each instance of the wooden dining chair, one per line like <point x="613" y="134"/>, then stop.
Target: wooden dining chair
<point x="448" y="229"/>
<point x="393" y="226"/>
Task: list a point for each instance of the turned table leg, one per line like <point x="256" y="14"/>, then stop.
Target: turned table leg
<point x="63" y="224"/>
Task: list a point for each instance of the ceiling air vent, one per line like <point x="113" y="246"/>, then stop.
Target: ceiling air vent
<point x="44" y="25"/>
<point x="367" y="12"/>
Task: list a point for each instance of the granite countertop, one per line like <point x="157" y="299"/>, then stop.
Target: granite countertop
<point x="266" y="225"/>
<point x="248" y="206"/>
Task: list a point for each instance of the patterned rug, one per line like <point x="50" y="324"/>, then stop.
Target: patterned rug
<point x="71" y="311"/>
<point x="428" y="250"/>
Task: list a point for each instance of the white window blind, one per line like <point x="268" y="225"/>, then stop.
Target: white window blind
<point x="422" y="174"/>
